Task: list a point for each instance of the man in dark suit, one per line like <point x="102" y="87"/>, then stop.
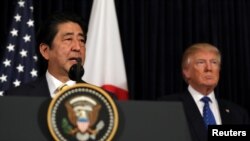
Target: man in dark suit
<point x="61" y="42"/>
<point x="201" y="67"/>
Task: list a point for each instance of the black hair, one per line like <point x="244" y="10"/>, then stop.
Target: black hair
<point x="48" y="29"/>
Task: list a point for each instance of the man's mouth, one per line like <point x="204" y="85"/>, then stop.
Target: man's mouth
<point x="209" y="77"/>
<point x="75" y="59"/>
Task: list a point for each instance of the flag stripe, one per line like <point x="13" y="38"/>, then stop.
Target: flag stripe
<point x="120" y="93"/>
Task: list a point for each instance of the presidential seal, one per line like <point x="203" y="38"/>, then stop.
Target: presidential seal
<point x="82" y="112"/>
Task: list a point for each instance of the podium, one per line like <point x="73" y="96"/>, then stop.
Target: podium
<point x="25" y="118"/>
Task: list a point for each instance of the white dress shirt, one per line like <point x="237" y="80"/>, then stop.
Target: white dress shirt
<point x="54" y="83"/>
<point x="213" y="104"/>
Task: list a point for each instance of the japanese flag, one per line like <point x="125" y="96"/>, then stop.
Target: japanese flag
<point x="104" y="63"/>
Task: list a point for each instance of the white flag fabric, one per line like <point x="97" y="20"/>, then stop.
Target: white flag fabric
<point x="104" y="64"/>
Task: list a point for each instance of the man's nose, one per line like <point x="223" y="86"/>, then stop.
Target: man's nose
<point x="76" y="45"/>
<point x="208" y="66"/>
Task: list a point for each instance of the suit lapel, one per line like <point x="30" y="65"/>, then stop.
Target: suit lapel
<point x="40" y="88"/>
<point x="224" y="113"/>
<point x="194" y="117"/>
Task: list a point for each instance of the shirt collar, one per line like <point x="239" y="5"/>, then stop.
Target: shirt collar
<point x="54" y="83"/>
<point x="197" y="95"/>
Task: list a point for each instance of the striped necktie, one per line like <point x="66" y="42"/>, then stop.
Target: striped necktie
<point x="208" y="116"/>
<point x="60" y="88"/>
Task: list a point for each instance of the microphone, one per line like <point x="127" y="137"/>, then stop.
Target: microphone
<point x="76" y="71"/>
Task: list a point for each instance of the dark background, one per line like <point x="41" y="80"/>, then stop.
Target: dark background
<point x="154" y="34"/>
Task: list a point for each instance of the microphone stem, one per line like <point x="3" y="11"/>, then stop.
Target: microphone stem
<point x="78" y="79"/>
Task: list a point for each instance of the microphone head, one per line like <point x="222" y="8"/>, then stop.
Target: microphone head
<point x="79" y="60"/>
<point x="76" y="72"/>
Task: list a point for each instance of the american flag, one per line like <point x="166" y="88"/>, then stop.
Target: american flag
<point x="19" y="61"/>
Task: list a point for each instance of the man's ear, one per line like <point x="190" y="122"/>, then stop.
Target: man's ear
<point x="186" y="73"/>
<point x="44" y="50"/>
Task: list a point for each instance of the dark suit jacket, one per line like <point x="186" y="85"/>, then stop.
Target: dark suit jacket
<point x="38" y="87"/>
<point x="230" y="114"/>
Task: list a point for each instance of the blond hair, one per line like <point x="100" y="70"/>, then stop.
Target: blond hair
<point x="191" y="50"/>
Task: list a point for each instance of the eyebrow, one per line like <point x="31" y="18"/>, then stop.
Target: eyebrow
<point x="71" y="33"/>
<point x="208" y="59"/>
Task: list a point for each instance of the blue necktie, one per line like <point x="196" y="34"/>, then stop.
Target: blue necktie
<point x="208" y="116"/>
